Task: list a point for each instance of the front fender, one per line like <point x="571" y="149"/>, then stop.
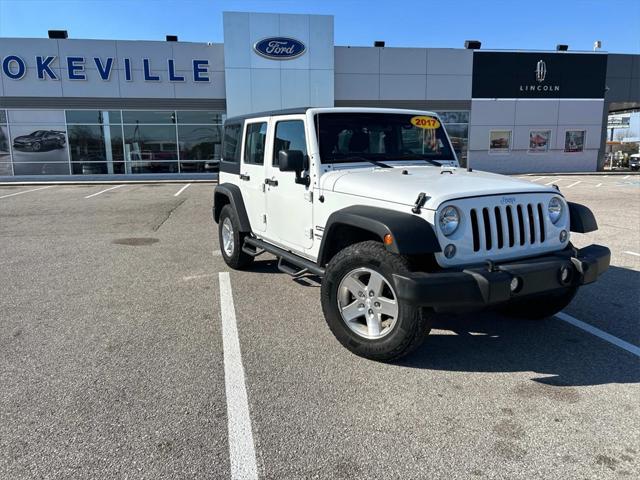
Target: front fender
<point x="581" y="218"/>
<point x="412" y="235"/>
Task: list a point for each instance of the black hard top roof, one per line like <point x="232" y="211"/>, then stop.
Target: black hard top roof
<point x="272" y="113"/>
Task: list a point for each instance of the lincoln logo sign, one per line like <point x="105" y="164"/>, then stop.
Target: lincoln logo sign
<point x="541" y="74"/>
<point x="279" y="48"/>
<point x="541" y="71"/>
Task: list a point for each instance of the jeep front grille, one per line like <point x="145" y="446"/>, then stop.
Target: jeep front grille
<point x="507" y="226"/>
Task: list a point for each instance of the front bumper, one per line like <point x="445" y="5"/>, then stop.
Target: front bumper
<point x="481" y="286"/>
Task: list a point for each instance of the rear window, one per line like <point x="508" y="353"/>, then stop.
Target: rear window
<point x="231" y="143"/>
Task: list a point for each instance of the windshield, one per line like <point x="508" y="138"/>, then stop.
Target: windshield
<point x="360" y="137"/>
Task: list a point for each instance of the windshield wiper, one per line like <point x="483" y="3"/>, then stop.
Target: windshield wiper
<point x="417" y="157"/>
<point x="360" y="159"/>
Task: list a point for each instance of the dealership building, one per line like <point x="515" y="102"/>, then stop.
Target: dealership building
<point x="149" y="109"/>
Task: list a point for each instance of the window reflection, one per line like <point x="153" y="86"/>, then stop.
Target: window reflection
<point x="151" y="148"/>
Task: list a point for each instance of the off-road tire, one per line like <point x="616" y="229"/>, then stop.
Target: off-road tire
<point x="412" y="324"/>
<point x="238" y="260"/>
<point x="540" y="306"/>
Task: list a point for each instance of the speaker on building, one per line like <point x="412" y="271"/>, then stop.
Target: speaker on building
<point x="172" y="38"/>
<point x="58" y="34"/>
<point x="562" y="48"/>
<point x="378" y="43"/>
<point x="472" y="44"/>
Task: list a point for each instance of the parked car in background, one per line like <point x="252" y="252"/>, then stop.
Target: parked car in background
<point x="634" y="162"/>
<point x="40" y="140"/>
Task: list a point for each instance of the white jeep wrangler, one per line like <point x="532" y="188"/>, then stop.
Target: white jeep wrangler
<point x="373" y="201"/>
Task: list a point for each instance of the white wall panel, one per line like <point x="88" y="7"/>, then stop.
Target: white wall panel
<point x="448" y="87"/>
<point x="89" y="49"/>
<point x="295" y="26"/>
<point x="353" y="86"/>
<point x="238" y="87"/>
<point x="536" y="112"/>
<point x="265" y="89"/>
<point x="296" y="84"/>
<point x="403" y="87"/>
<point x="262" y="25"/>
<point x="320" y="46"/>
<point x="580" y="112"/>
<point x="491" y="112"/>
<point x="396" y="61"/>
<point x="357" y="60"/>
<point x="93" y="86"/>
<point x="236" y="39"/>
<point x="31" y="86"/>
<point x="449" y="61"/>
<point x="321" y="88"/>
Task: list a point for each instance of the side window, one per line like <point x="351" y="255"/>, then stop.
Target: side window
<point x="231" y="148"/>
<point x="256" y="137"/>
<point x="289" y="136"/>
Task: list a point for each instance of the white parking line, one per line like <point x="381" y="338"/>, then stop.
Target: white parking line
<point x="607" y="337"/>
<point x="632" y="253"/>
<point x="537" y="179"/>
<point x="182" y="190"/>
<point x="242" y="453"/>
<point x="598" y="185"/>
<point x="197" y="277"/>
<point x="26" y="191"/>
<point x="624" y="178"/>
<point x="102" y="191"/>
<point x="216" y="253"/>
<point x="574" y="184"/>
<point x="553" y="181"/>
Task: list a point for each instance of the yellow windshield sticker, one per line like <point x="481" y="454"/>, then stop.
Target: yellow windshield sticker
<point x="423" y="121"/>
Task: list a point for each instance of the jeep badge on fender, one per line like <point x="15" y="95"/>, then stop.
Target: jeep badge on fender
<point x="359" y="197"/>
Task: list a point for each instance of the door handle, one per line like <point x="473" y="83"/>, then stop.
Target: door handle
<point x="244" y="177"/>
<point x="271" y="183"/>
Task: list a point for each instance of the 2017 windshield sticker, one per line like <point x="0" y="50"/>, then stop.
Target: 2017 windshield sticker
<point x="425" y="122"/>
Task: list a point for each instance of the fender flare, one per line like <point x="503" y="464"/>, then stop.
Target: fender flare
<point x="232" y="195"/>
<point x="581" y="218"/>
<point x="412" y="235"/>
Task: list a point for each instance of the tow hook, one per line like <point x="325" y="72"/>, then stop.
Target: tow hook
<point x="420" y="201"/>
<point x="492" y="267"/>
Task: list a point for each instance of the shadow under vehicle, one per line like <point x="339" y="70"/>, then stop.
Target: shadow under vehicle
<point x="40" y="140"/>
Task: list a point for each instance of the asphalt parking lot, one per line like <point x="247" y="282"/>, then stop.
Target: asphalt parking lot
<point x="113" y="354"/>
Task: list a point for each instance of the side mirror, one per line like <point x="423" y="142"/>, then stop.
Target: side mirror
<point x="291" y="161"/>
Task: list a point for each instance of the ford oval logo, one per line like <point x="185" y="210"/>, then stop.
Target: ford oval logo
<point x="279" y="48"/>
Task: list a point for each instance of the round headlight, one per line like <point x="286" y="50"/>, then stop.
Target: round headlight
<point x="555" y="209"/>
<point x="449" y="220"/>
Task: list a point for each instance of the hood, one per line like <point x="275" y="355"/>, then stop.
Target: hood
<point x="23" y="138"/>
<point x="440" y="184"/>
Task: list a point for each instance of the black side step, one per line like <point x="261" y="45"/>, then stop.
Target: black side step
<point x="291" y="259"/>
<point x="285" y="267"/>
<point x="250" y="250"/>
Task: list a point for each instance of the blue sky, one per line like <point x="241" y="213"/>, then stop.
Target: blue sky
<point x="532" y="24"/>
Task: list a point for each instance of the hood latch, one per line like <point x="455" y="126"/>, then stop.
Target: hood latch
<point x="420" y="201"/>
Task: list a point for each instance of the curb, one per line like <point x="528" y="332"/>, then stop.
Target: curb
<point x="107" y="182"/>
<point x="573" y="174"/>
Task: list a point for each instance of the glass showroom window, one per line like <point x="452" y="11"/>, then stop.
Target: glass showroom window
<point x="5" y="149"/>
<point x="95" y="142"/>
<point x="200" y="140"/>
<point x="38" y="142"/>
<point x="151" y="148"/>
<point x="457" y="125"/>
